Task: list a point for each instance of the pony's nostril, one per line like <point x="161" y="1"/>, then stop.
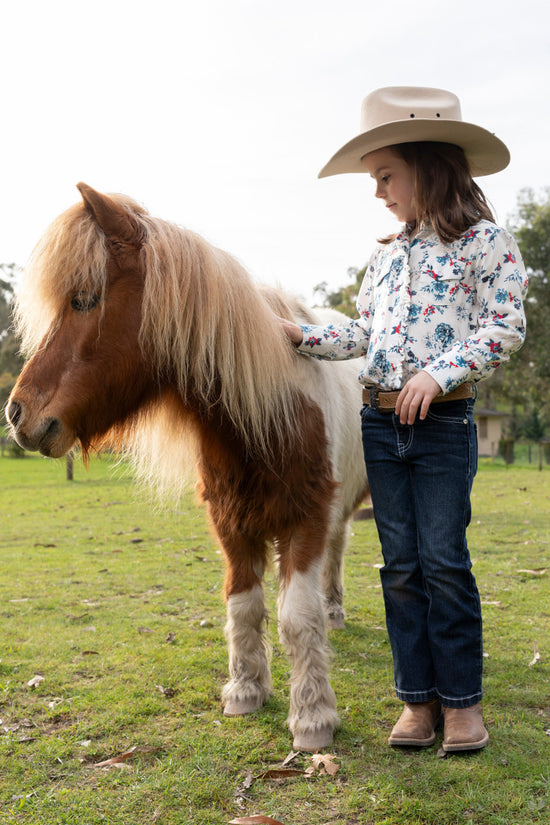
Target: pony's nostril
<point x="14" y="413"/>
<point x="53" y="428"/>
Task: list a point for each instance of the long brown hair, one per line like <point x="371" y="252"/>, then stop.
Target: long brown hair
<point x="446" y="195"/>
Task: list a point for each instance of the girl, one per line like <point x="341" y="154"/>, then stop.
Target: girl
<point x="439" y="309"/>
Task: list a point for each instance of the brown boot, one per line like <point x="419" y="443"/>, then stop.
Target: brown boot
<point x="416" y="725"/>
<point x="464" y="730"/>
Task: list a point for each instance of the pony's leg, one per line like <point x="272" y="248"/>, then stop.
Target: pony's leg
<point x="302" y="629"/>
<point x="250" y="677"/>
<point x="332" y="574"/>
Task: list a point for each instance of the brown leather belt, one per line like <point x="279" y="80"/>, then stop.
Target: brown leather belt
<point x="385" y="401"/>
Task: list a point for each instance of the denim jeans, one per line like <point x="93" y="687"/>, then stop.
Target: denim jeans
<point x="421" y="478"/>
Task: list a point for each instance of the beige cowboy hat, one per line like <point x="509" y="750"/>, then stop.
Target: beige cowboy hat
<point x="406" y="114"/>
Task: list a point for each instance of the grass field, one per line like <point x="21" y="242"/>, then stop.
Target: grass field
<point x="116" y="607"/>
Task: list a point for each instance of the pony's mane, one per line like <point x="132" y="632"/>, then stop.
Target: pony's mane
<point x="203" y="318"/>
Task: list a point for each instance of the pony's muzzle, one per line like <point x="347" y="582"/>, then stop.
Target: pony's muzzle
<point x="13" y="413"/>
<point x="43" y="437"/>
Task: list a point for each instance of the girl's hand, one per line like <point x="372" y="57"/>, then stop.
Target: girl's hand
<point x="294" y="332"/>
<point x="418" y="392"/>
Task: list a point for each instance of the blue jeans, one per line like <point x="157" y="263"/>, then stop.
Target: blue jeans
<point x="420" y="478"/>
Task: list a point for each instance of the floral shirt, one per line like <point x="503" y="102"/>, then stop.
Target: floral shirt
<point x="454" y="310"/>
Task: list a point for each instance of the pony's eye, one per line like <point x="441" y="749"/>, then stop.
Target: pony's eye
<point x="84" y="301"/>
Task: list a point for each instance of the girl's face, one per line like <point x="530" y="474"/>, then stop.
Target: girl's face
<point x="394" y="182"/>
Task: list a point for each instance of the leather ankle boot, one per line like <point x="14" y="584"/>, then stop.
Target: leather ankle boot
<point x="464" y="730"/>
<point x="416" y="725"/>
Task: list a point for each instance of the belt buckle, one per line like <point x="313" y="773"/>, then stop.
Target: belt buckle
<point x="375" y="402"/>
<point x="373" y="398"/>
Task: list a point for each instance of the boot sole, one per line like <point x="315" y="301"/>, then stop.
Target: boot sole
<point x="466" y="746"/>
<point x="411" y="743"/>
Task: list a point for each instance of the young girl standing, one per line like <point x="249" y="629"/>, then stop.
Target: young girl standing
<point x="440" y="308"/>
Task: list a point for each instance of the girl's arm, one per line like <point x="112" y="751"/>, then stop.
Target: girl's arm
<point x="501" y="285"/>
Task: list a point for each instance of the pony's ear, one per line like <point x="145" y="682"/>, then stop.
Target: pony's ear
<point x="116" y="222"/>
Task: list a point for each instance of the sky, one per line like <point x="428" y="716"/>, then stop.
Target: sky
<point x="219" y="114"/>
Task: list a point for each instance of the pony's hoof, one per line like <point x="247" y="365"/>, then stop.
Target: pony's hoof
<point x="335" y="616"/>
<point x="313" y="740"/>
<point x="242" y="705"/>
<point x="336" y="622"/>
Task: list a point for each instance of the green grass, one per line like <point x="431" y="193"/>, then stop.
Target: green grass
<point x="103" y="595"/>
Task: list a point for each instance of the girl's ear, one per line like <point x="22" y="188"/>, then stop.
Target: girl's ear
<point x="116" y="222"/>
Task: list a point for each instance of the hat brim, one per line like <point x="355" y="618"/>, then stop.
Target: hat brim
<point x="486" y="154"/>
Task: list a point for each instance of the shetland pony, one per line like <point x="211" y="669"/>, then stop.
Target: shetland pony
<point x="145" y="338"/>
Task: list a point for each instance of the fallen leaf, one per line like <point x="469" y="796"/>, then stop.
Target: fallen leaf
<point x="324" y="763"/>
<point x="144" y="630"/>
<point x="247" y="782"/>
<point x="171" y="638"/>
<point x="281" y="773"/>
<point x="291" y="757"/>
<point x="536" y="658"/>
<point x="257" y="818"/>
<point x="123" y="757"/>
<point x="35" y="681"/>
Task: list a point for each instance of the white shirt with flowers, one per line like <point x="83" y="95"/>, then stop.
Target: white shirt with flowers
<point x="454" y="310"/>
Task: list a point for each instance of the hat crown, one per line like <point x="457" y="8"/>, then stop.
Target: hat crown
<point x="402" y="103"/>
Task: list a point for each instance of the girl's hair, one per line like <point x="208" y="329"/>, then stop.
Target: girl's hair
<point x="446" y="195"/>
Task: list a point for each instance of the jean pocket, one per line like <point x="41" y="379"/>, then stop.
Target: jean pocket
<point x="450" y="412"/>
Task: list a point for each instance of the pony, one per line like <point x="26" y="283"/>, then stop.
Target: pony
<point x="144" y="338"/>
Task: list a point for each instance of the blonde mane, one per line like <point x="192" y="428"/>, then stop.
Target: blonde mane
<point x="203" y="319"/>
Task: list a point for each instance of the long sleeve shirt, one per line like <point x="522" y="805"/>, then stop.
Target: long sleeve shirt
<point x="454" y="310"/>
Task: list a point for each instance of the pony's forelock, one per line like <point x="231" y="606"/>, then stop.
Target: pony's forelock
<point x="71" y="256"/>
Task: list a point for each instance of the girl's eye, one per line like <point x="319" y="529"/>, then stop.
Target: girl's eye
<point x="84" y="301"/>
<point x="385" y="179"/>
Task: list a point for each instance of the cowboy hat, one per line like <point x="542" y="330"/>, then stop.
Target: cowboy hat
<point x="407" y="114"/>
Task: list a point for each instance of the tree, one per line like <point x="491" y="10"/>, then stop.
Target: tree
<point x="343" y="299"/>
<point x="531" y="226"/>
<point x="11" y="360"/>
<point x="534" y="429"/>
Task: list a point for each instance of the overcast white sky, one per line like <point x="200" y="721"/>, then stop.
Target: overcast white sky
<point x="218" y="114"/>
